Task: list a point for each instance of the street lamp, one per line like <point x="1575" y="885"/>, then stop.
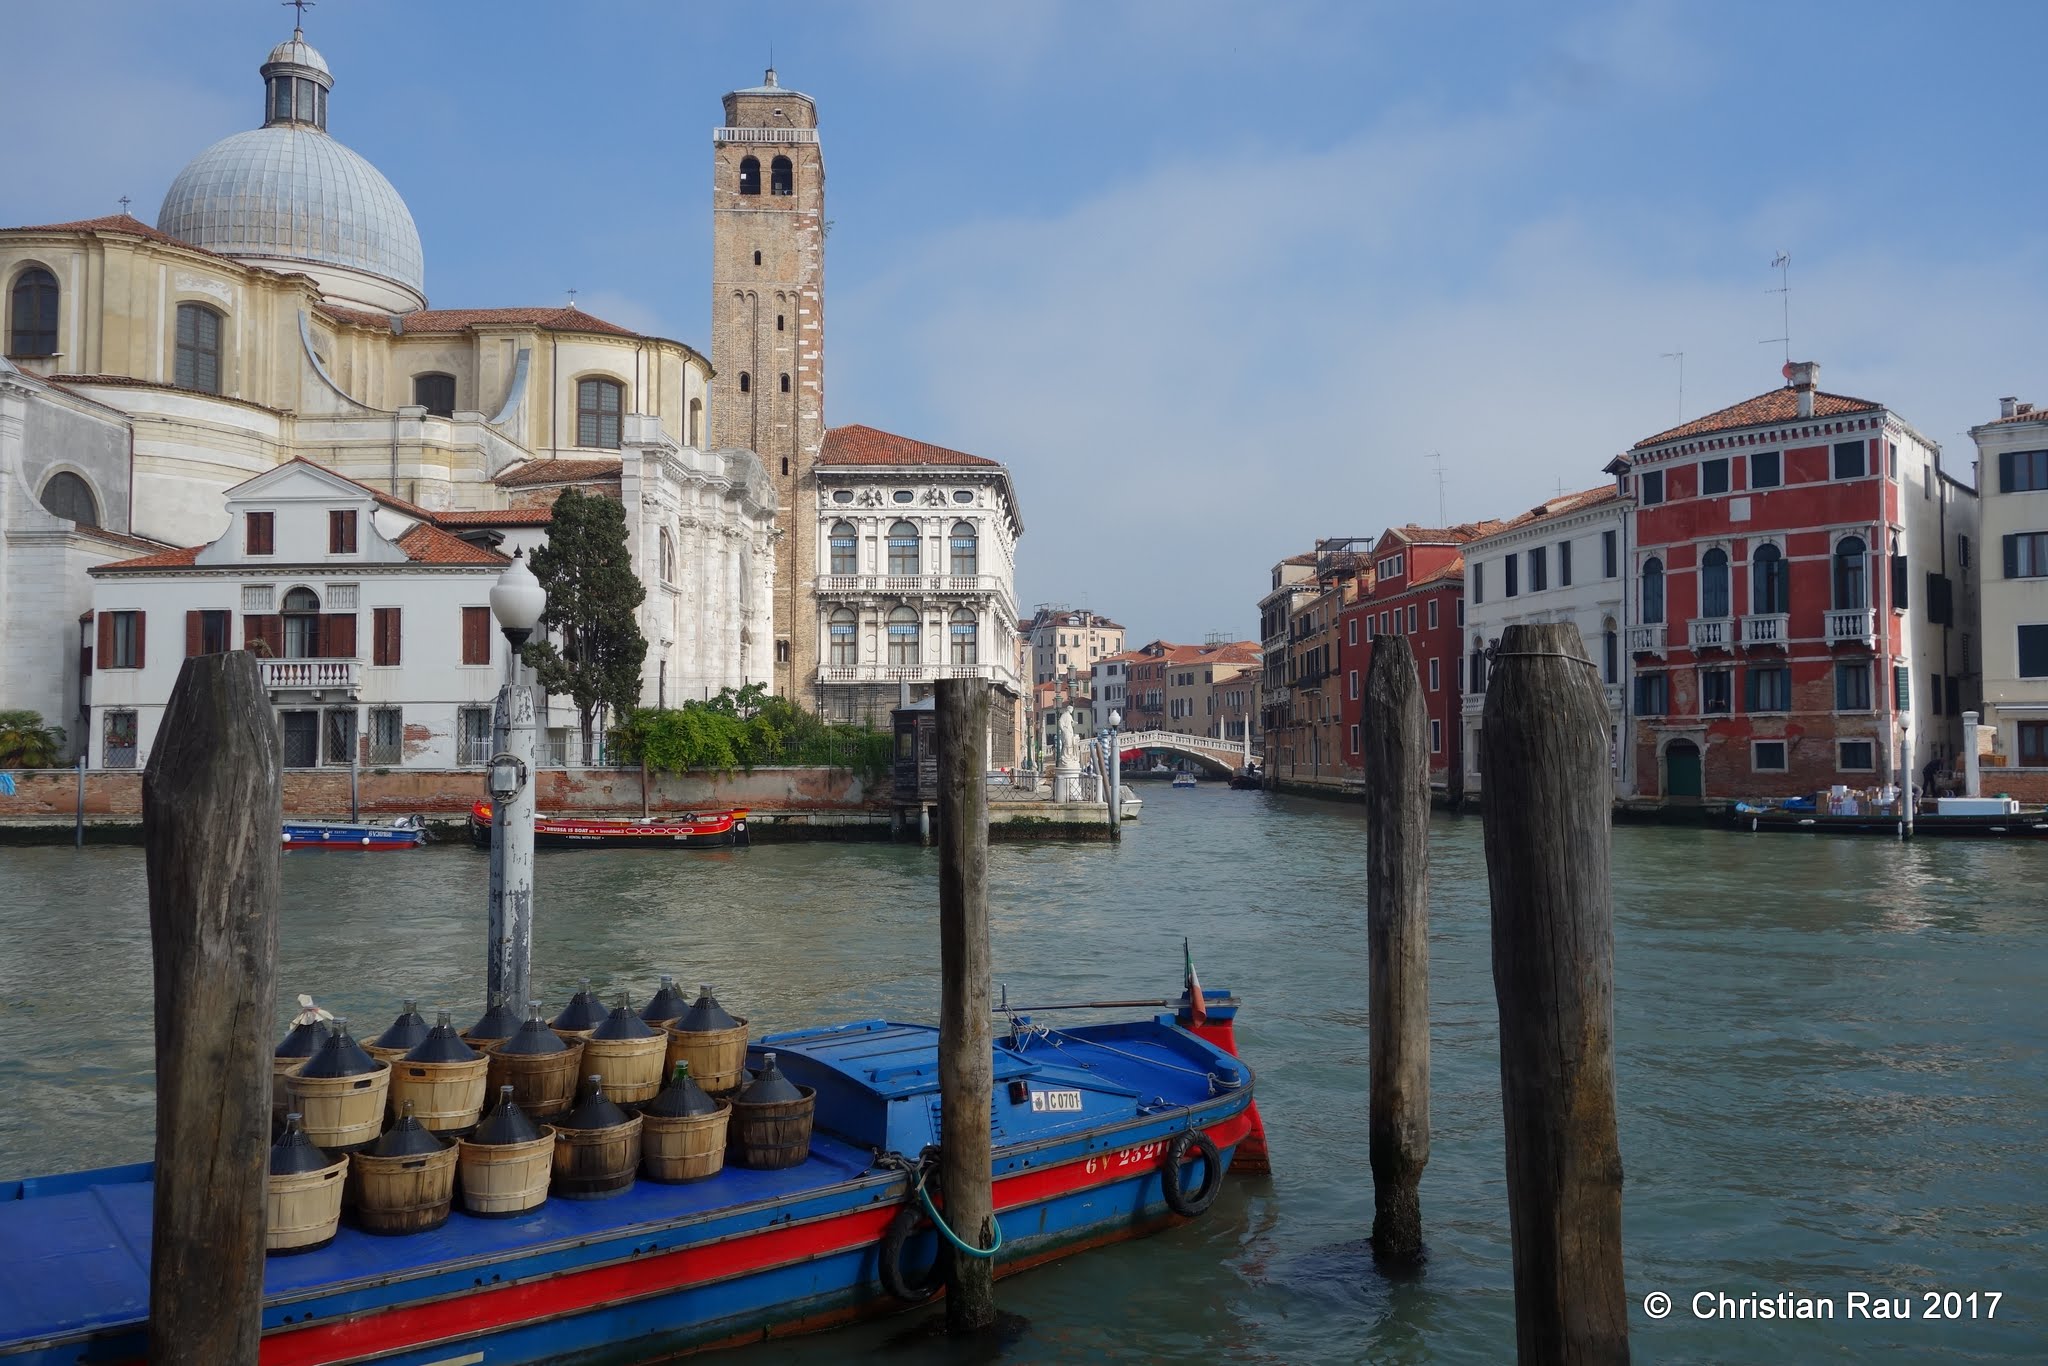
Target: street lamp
<point x="1116" y="777"/>
<point x="517" y="601"/>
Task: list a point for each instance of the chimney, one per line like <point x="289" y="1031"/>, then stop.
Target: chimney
<point x="1803" y="375"/>
<point x="2008" y="406"/>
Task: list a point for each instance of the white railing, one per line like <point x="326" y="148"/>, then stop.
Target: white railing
<point x="1709" y="633"/>
<point x="1646" y="640"/>
<point x="781" y="135"/>
<point x="912" y="673"/>
<point x="1195" y="744"/>
<point x="310" y="675"/>
<point x="1612" y="692"/>
<point x="1768" y="628"/>
<point x="838" y="585"/>
<point x="1851" y="624"/>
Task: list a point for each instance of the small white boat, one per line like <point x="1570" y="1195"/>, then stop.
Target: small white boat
<point x="1131" y="804"/>
<point x="1183" y="780"/>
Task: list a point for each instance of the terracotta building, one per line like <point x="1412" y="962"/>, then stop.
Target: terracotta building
<point x="1304" y="726"/>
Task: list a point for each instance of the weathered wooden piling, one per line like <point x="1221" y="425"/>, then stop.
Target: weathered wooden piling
<point x="966" y="1065"/>
<point x="1396" y="761"/>
<point x="212" y="813"/>
<point x="1546" y="800"/>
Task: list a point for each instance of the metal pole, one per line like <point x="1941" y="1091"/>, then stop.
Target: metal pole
<point x="78" y="819"/>
<point x="1116" y="786"/>
<point x="511" y="947"/>
<point x="355" y="767"/>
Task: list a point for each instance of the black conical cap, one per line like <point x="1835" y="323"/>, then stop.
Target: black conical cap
<point x="682" y="1098"/>
<point x="304" y="1040"/>
<point x="340" y="1056"/>
<point x="442" y="1044"/>
<point x="593" y="1111"/>
<point x="406" y="1031"/>
<point x="584" y="1011"/>
<point x="533" y="1037"/>
<point x="499" y="1022"/>
<point x="505" y="1124"/>
<point x="294" y="1152"/>
<point x="706" y="1015"/>
<point x="622" y="1023"/>
<point x="407" y="1138"/>
<point x="666" y="1004"/>
<point x="769" y="1085"/>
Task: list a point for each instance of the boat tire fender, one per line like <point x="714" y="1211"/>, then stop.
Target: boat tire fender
<point x="1178" y="1199"/>
<point x="894" y="1280"/>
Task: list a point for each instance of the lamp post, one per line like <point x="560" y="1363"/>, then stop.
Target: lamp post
<point x="517" y="600"/>
<point x="1116" y="777"/>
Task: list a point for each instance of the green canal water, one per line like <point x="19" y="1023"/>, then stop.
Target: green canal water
<point x="1832" y="1058"/>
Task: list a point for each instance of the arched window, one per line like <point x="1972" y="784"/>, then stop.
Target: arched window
<point x="68" y="496"/>
<point x="845" y="648"/>
<point x="435" y="393"/>
<point x="781" y="176"/>
<point x="966" y="635"/>
<point x="785" y="383"/>
<point x="1770" y="590"/>
<point x="697" y="422"/>
<point x="32" y="314"/>
<point x="750" y="175"/>
<point x="778" y="322"/>
<point x="1714" y="583"/>
<point x="598" y="405"/>
<point x="902" y="548"/>
<point x="1852" y="586"/>
<point x="757" y="258"/>
<point x="198" y="364"/>
<point x="1610" y="651"/>
<point x="746" y="383"/>
<point x="668" y="557"/>
<point x="966" y="548"/>
<point x="301" y="612"/>
<point x="844" y="553"/>
<point x="1653" y="591"/>
<point x="903" y="636"/>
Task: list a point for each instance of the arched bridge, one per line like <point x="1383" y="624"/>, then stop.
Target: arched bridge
<point x="1226" y="755"/>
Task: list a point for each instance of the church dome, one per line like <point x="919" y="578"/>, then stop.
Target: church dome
<point x="288" y="193"/>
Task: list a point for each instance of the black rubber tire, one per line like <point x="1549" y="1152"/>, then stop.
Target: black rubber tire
<point x="891" y="1261"/>
<point x="1178" y="1200"/>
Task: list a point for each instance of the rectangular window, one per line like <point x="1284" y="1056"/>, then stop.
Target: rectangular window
<point x="301" y="733"/>
<point x="2022" y="471"/>
<point x="1955" y="695"/>
<point x="1714" y="475"/>
<point x="2026" y="555"/>
<point x="1650" y="484"/>
<point x="1354" y="740"/>
<point x="1610" y="556"/>
<point x="341" y="531"/>
<point x="1717" y="692"/>
<point x="1902" y="688"/>
<point x="261" y="531"/>
<point x="1354" y="685"/>
<point x="1766" y="470"/>
<point x="1852" y="686"/>
<point x="1767" y="756"/>
<point x="2034" y="744"/>
<point x="387" y="736"/>
<point x="1436" y="736"/>
<point x="1352" y="632"/>
<point x="473" y="736"/>
<point x="1564" y="564"/>
<point x="120" y="644"/>
<point x="1962" y="551"/>
<point x="1651" y="695"/>
<point x="341" y="735"/>
<point x="1941" y="600"/>
<point x="1386" y="627"/>
<point x="476" y="635"/>
<point x="1461" y="613"/>
<point x="2033" y="650"/>
<point x="1539" y="568"/>
<point x="1435" y="674"/>
<point x="1512" y="575"/>
<point x="1849" y="463"/>
<point x="1768" y="688"/>
<point x="1854" y="756"/>
<point x="206" y="633"/>
<point x="385" y="647"/>
<point x="118" y="739"/>
<point x="1432" y="614"/>
<point x="1478" y="585"/>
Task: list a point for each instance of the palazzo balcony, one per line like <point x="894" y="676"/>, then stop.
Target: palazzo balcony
<point x="906" y="585"/>
<point x="914" y="673"/>
<point x="1646" y="640"/>
<point x="1710" y="633"/>
<point x="1852" y="626"/>
<point x="1766" y="628"/>
<point x="319" y="678"/>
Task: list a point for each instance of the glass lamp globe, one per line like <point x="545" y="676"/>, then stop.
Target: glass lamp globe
<point x="517" y="599"/>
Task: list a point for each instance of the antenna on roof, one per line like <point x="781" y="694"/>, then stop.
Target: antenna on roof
<point x="1782" y="263"/>
<point x="1679" y="356"/>
<point x="1438" y="457"/>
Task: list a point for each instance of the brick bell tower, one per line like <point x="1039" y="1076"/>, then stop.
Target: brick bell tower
<point x="768" y="336"/>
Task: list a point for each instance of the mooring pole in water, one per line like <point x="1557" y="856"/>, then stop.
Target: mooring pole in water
<point x="1396" y="762"/>
<point x="1546" y="804"/>
<point x="966" y="1063"/>
<point x="212" y="810"/>
<point x="78" y="818"/>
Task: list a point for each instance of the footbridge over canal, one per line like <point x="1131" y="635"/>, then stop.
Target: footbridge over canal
<point x="1224" y="756"/>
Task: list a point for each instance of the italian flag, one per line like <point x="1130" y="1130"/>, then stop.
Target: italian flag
<point x="1198" y="1009"/>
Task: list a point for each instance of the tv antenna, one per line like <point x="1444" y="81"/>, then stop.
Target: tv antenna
<point x="1782" y="263"/>
<point x="1678" y="356"/>
<point x="1438" y="458"/>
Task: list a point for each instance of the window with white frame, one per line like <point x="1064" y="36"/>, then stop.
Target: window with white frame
<point x="1767" y="756"/>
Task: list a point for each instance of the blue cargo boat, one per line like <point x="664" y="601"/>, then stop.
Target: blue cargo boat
<point x="401" y="832"/>
<point x="1101" y="1133"/>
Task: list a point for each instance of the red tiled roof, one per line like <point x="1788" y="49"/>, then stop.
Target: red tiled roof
<point x="1559" y="506"/>
<point x="857" y="445"/>
<point x="559" y="471"/>
<point x="395" y="503"/>
<point x="2027" y="413"/>
<point x="439" y="320"/>
<point x="1779" y="405"/>
<point x="430" y="545"/>
<point x="162" y="559"/>
<point x="113" y="222"/>
<point x="1448" y="535"/>
<point x="491" y="517"/>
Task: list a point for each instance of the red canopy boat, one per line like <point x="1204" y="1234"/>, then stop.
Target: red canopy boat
<point x="697" y="830"/>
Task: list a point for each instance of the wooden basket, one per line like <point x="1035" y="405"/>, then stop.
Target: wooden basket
<point x="675" y="1148"/>
<point x="717" y="1057"/>
<point x="501" y="1180"/>
<point x="572" y="1037"/>
<point x="591" y="1164"/>
<point x="544" y="1084"/>
<point x="280" y="1089"/>
<point x="390" y="1055"/>
<point x="303" y="1210"/>
<point x="446" y="1097"/>
<point x="402" y="1194"/>
<point x="341" y="1112"/>
<point x="632" y="1068"/>
<point x="770" y="1135"/>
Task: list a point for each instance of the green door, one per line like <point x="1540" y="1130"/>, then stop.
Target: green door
<point x="1682" y="769"/>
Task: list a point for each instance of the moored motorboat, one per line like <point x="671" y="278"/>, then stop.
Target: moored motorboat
<point x="1247" y="779"/>
<point x="1969" y="818"/>
<point x="1184" y="780"/>
<point x="696" y="830"/>
<point x="400" y="832"/>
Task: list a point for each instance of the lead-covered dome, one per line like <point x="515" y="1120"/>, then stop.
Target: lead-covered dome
<point x="289" y="193"/>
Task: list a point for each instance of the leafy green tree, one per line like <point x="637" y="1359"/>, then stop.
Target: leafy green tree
<point x="593" y="597"/>
<point x="25" y="742"/>
<point x="747" y="728"/>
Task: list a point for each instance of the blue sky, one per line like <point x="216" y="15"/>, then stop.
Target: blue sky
<point x="1213" y="279"/>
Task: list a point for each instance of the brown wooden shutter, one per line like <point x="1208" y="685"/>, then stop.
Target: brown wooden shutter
<point x="341" y="531"/>
<point x="476" y="635"/>
<point x="338" y="635"/>
<point x="195" y="634"/>
<point x="141" y="618"/>
<point x="106" y="650"/>
<point x="384" y="628"/>
<point x="263" y="635"/>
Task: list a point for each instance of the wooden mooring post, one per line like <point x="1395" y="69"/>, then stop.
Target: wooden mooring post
<point x="1396" y="761"/>
<point x="1546" y="798"/>
<point x="966" y="1063"/>
<point x="212" y="817"/>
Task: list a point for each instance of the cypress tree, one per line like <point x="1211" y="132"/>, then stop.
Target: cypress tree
<point x="593" y="601"/>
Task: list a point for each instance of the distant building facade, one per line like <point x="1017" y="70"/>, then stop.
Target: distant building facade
<point x="1066" y="641"/>
<point x="2012" y="550"/>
